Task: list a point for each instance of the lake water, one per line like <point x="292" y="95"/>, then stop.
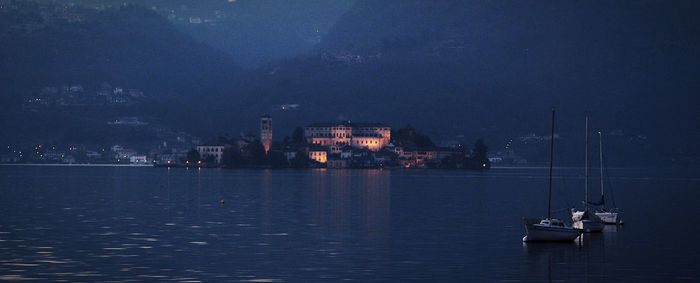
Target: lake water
<point x="156" y="224"/>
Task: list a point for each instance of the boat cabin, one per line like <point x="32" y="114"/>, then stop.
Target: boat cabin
<point x="552" y="222"/>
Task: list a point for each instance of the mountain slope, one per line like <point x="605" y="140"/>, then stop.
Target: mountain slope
<point x="494" y="68"/>
<point x="51" y="45"/>
<point x="252" y="31"/>
<point x="49" y="48"/>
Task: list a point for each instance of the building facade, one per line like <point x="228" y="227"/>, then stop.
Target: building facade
<point x="266" y="132"/>
<point x="215" y="151"/>
<point x="335" y="136"/>
<point x="318" y="155"/>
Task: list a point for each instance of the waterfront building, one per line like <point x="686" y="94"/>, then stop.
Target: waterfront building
<point x="92" y="155"/>
<point x="124" y="154"/>
<point x="385" y="157"/>
<point x="346" y="152"/>
<point x="68" y="159"/>
<point x="52" y="155"/>
<point x="138" y="159"/>
<point x="169" y="158"/>
<point x="290" y="154"/>
<point x="335" y="162"/>
<point x="417" y="157"/>
<point x="319" y="155"/>
<point x="334" y="136"/>
<point x="211" y="150"/>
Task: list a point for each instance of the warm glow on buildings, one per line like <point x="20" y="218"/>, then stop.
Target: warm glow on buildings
<point x="372" y="136"/>
<point x="266" y="132"/>
<point x="320" y="156"/>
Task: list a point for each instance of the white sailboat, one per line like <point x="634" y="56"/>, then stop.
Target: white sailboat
<point x="586" y="219"/>
<point x="608" y="215"/>
<point x="548" y="229"/>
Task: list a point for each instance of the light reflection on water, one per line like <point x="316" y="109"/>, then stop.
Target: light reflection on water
<point x="155" y="224"/>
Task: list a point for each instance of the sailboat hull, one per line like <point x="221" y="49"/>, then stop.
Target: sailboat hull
<point x="543" y="233"/>
<point x="589" y="226"/>
<point x="609" y="217"/>
<point x="587" y="221"/>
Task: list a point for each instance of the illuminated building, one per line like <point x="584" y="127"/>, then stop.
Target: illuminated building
<point x="266" y="132"/>
<point x="335" y="136"/>
<point x="318" y="155"/>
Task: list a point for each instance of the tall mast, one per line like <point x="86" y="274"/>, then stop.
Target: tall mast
<point x="587" y="171"/>
<point x="551" y="166"/>
<point x="600" y="144"/>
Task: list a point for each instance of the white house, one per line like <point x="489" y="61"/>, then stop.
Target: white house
<point x="211" y="150"/>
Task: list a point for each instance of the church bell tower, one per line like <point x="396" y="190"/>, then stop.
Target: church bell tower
<point x="266" y="132"/>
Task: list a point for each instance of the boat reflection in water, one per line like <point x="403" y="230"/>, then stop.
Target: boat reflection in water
<point x="548" y="262"/>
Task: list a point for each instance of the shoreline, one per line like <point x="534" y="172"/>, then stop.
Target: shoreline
<point x="75" y="165"/>
<point x="255" y="168"/>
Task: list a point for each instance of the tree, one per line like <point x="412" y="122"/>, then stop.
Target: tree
<point x="408" y="136"/>
<point x="480" y="159"/>
<point x="231" y="158"/>
<point x="298" y="136"/>
<point x="480" y="149"/>
<point x="301" y="160"/>
<point x="224" y="140"/>
<point x="277" y="159"/>
<point x="193" y="155"/>
<point x="257" y="153"/>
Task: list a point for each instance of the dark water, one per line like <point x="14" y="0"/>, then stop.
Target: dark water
<point x="154" y="224"/>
